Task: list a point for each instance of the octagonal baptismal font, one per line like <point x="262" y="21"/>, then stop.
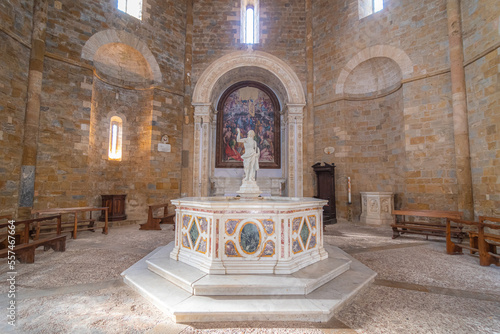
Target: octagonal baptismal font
<point x="227" y="235"/>
<point x="240" y="259"/>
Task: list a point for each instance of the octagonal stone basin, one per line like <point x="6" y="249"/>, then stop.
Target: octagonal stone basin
<point x="230" y="235"/>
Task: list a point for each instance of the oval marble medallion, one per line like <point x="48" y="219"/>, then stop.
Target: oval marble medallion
<point x="249" y="238"/>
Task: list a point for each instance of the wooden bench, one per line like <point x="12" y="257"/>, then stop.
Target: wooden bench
<point x="85" y="224"/>
<point x="156" y="218"/>
<point x="4" y="232"/>
<point x="423" y="225"/>
<point x="24" y="250"/>
<point x="480" y="242"/>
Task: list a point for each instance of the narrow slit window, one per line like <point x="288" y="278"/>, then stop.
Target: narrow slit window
<point x="131" y="7"/>
<point x="369" y="7"/>
<point x="249" y="25"/>
<point x="115" y="138"/>
<point x="378" y="5"/>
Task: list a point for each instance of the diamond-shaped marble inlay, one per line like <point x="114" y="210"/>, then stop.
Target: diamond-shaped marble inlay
<point x="194" y="233"/>
<point x="304" y="233"/>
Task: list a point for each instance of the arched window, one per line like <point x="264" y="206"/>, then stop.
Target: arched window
<point x="249" y="26"/>
<point x="368" y="7"/>
<point x="131" y="7"/>
<point x="115" y="138"/>
<point x="378" y="5"/>
<point x="250" y="21"/>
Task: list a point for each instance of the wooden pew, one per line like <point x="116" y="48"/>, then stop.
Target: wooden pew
<point x="24" y="250"/>
<point x="421" y="225"/>
<point x="86" y="224"/>
<point x="4" y="232"/>
<point x="156" y="218"/>
<point x="480" y="242"/>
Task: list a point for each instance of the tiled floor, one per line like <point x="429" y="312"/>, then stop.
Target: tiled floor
<point x="419" y="289"/>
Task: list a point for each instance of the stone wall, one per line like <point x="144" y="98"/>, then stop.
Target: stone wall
<point x="388" y="116"/>
<point x="427" y="178"/>
<point x="217" y="32"/>
<point x="480" y="25"/>
<point x="15" y="29"/>
<point x="72" y="164"/>
<point x="401" y="142"/>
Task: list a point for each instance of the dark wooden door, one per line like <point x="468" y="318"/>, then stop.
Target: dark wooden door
<point x="325" y="177"/>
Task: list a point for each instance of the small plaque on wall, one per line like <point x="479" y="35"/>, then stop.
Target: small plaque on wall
<point x="164" y="147"/>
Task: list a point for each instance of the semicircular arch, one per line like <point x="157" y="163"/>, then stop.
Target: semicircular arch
<point x="203" y="90"/>
<point x="378" y="51"/>
<point x="118" y="36"/>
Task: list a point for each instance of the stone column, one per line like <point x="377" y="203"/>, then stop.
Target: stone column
<point x="187" y="129"/>
<point x="460" y="118"/>
<point x="294" y="127"/>
<point x="32" y="113"/>
<point x="202" y="133"/>
<point x="309" y="145"/>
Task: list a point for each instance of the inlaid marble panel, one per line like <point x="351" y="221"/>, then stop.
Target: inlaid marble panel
<point x="230" y="249"/>
<point x="268" y="226"/>
<point x="193" y="233"/>
<point x="248" y="234"/>
<point x="296" y="224"/>
<point x="250" y="238"/>
<point x="269" y="249"/>
<point x="231" y="226"/>
<point x="304" y="233"/>
<point x="203" y="224"/>
<point x="202" y="246"/>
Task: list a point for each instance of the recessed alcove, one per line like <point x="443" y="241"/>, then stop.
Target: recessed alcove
<point x="374" y="77"/>
<point x="122" y="64"/>
<point x="226" y="181"/>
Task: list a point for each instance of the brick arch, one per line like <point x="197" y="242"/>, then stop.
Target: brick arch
<point x="118" y="36"/>
<point x="399" y="56"/>
<point x="208" y="79"/>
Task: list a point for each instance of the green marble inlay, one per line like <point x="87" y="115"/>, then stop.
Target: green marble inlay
<point x="249" y="238"/>
<point x="304" y="233"/>
<point x="193" y="233"/>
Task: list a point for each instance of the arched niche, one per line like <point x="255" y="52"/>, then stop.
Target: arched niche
<point x="398" y="56"/>
<point x="279" y="77"/>
<point x="122" y="64"/>
<point x="105" y="38"/>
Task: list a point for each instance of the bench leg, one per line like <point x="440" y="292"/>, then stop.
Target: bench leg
<point x="395" y="232"/>
<point x="91" y="224"/>
<point x="473" y="244"/>
<point x="26" y="255"/>
<point x="59" y="246"/>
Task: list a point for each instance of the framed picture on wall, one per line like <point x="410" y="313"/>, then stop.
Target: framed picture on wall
<point x="248" y="106"/>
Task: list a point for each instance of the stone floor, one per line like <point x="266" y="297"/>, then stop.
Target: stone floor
<point x="419" y="289"/>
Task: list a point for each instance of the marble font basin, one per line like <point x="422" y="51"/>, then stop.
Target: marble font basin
<point x="229" y="235"/>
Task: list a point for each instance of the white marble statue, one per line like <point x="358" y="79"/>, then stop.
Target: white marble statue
<point x="251" y="156"/>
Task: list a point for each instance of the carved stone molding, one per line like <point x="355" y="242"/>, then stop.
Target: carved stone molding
<point x="207" y="81"/>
